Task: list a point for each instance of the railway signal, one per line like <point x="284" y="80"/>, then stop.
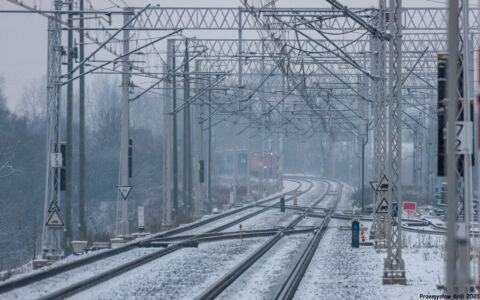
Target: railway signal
<point x="355" y="234"/>
<point x="130" y="157"/>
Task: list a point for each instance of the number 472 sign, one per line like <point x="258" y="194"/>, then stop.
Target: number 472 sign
<point x="464" y="137"/>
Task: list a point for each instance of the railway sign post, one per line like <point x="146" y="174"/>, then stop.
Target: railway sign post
<point x="56" y="160"/>
<point x="409" y="205"/>
<point x="394" y="209"/>
<point x="382" y="207"/>
<point x="53" y="207"/>
<point x="383" y="185"/>
<point x="124" y="190"/>
<point x="355" y="234"/>
<point x="374" y="185"/>
<point x="54" y="220"/>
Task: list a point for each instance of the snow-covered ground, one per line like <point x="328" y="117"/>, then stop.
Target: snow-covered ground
<point x="269" y="219"/>
<point x="265" y="277"/>
<point x="220" y="222"/>
<point x="275" y="218"/>
<point x="288" y="186"/>
<point x="338" y="271"/>
<point x="183" y="274"/>
<point x="314" y="194"/>
<point x="308" y="221"/>
<point x="39" y="289"/>
<point x="62" y="280"/>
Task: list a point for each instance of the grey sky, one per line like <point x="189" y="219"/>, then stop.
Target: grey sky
<point x="23" y="51"/>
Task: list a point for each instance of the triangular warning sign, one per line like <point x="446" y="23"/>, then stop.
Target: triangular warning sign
<point x="55" y="220"/>
<point x="125" y="190"/>
<point x="53" y="207"/>
<point x="382" y="207"/>
<point x="383" y="185"/>
<point x="373" y="184"/>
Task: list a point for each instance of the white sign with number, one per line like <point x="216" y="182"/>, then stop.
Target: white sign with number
<point x="464" y="137"/>
<point x="56" y="160"/>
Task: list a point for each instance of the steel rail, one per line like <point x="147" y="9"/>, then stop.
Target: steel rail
<point x="290" y="286"/>
<point x="241" y="235"/>
<point x="228" y="235"/>
<point x="213" y="291"/>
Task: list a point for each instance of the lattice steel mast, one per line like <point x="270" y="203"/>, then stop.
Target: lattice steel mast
<point x="51" y="243"/>
<point x="394" y="266"/>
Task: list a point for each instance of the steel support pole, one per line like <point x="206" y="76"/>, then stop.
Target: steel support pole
<point x="458" y="182"/>
<point x="235" y="157"/>
<point x="467" y="157"/>
<point x="374" y="48"/>
<point x="281" y="138"/>
<point x="209" y="171"/>
<point x="167" y="220"/>
<point x="381" y="125"/>
<point x="237" y="107"/>
<point x="249" y="155"/>
<point x="187" y="154"/>
<point x="202" y="141"/>
<point x="171" y="60"/>
<point x="51" y="246"/>
<point x="262" y="129"/>
<point x="394" y="267"/>
<point x="363" y="175"/>
<point x="197" y="131"/>
<point x="81" y="139"/>
<point x="124" y="134"/>
<point x="69" y="148"/>
<point x="452" y="201"/>
<point x="430" y="154"/>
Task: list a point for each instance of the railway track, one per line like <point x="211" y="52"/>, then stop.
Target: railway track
<point x="171" y="241"/>
<point x="289" y="287"/>
<point x="113" y="272"/>
<point x="218" y="236"/>
<point x="220" y="285"/>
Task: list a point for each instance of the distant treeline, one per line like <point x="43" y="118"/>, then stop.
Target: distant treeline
<point x="22" y="166"/>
